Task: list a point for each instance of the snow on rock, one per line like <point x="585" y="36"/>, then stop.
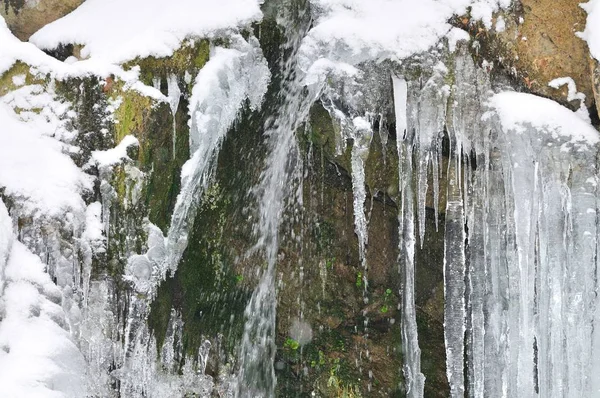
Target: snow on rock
<point x="37" y="356"/>
<point x="517" y="110"/>
<point x="94" y="228"/>
<point x="34" y="167"/>
<point x="6" y="241"/>
<point x="115" y="155"/>
<point x="13" y="49"/>
<point x="573" y="95"/>
<point x="355" y="31"/>
<point x="117" y="31"/>
<point x="591" y="34"/>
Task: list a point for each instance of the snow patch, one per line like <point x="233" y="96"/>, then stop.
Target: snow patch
<point x="37" y="356"/>
<point x="35" y="167"/>
<point x="360" y="30"/>
<point x="115" y="155"/>
<point x="516" y="110"/>
<point x="591" y="34"/>
<point x="117" y="31"/>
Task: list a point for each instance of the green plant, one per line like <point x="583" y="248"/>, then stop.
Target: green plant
<point x="329" y="263"/>
<point x="338" y="387"/>
<point x="359" y="280"/>
<point x="384" y="308"/>
<point x="320" y="361"/>
<point x="291" y="344"/>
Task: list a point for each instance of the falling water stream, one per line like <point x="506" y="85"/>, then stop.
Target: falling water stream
<point x="283" y="165"/>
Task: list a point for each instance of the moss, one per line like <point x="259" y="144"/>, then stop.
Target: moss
<point x="18" y="68"/>
<point x="206" y="280"/>
<point x="211" y="286"/>
<point x="322" y="131"/>
<point x="160" y="311"/>
<point x="132" y="114"/>
<point x="90" y="103"/>
<point x="430" y="308"/>
<point x="381" y="167"/>
<point x="152" y="123"/>
<point x="190" y="57"/>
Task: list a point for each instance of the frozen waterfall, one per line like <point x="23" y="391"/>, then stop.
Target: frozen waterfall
<point x="521" y="232"/>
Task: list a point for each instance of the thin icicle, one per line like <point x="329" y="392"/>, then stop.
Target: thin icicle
<point x="363" y="135"/>
<point x="428" y="138"/>
<point x="174" y="95"/>
<point x="454" y="284"/>
<point x="415" y="380"/>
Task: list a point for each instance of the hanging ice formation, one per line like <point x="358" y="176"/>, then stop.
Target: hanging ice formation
<point x="520" y="271"/>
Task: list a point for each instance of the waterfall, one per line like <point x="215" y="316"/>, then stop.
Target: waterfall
<point x="283" y="169"/>
<point x="232" y="79"/>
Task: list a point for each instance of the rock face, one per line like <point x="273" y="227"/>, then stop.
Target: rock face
<point x="25" y="17"/>
<point x="595" y="71"/>
<point x="537" y="43"/>
<point x="335" y="337"/>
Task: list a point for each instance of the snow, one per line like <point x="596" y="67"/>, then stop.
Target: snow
<point x="591" y="34"/>
<point x="37" y="355"/>
<point x="360" y="30"/>
<point x="6" y="241"/>
<point x="94" y="227"/>
<point x="34" y="166"/>
<point x="500" y="24"/>
<point x="115" y="155"/>
<point x="516" y="110"/>
<point x="117" y="31"/>
<point x="18" y="80"/>
<point x="573" y="95"/>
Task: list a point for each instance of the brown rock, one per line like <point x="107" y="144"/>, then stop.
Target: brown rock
<point x="544" y="47"/>
<point x="25" y="17"/>
<point x="595" y="70"/>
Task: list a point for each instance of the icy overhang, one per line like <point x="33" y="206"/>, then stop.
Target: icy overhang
<point x="519" y="111"/>
<point x="354" y="31"/>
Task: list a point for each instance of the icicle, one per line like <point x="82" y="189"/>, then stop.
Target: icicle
<point x="496" y="324"/>
<point x="174" y="95"/>
<point x="428" y="137"/>
<point x="363" y="135"/>
<point x="454" y="283"/>
<point x="415" y="380"/>
<point x="230" y="77"/>
<point x="580" y="274"/>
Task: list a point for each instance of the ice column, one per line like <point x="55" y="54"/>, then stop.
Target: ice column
<point x="415" y="380"/>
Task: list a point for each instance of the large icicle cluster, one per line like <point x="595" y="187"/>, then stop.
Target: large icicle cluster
<point x="520" y="236"/>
